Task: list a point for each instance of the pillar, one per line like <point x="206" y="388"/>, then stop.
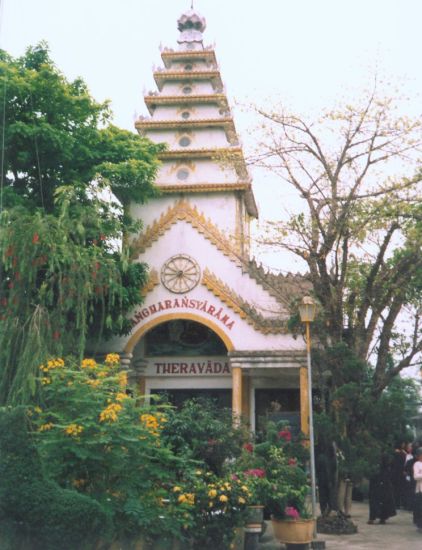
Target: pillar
<point x="304" y="401"/>
<point x="236" y="394"/>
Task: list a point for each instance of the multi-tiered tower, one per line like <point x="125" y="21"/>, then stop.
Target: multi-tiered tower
<point x="191" y="114"/>
<point x="212" y="321"/>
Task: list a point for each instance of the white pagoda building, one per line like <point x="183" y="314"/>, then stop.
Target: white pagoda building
<point x="212" y="323"/>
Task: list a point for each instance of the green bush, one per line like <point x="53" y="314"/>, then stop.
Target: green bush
<point x="35" y="513"/>
<point x="205" y="432"/>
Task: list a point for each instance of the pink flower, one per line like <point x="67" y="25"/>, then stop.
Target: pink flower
<point x="234" y="477"/>
<point x="255" y="472"/>
<point x="248" y="447"/>
<point x="291" y="512"/>
<point x="285" y="434"/>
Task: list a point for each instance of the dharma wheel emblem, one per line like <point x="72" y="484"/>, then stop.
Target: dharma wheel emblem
<point x="180" y="274"/>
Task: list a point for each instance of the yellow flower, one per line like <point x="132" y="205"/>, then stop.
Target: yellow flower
<point x="93" y="383"/>
<point x="74" y="430"/>
<point x="45" y="427"/>
<point x="45" y="381"/>
<point x="112" y="359"/>
<point x="181" y="499"/>
<point x="212" y="493"/>
<point x="177" y="489"/>
<point x="38" y="410"/>
<point x="241" y="500"/>
<point x="198" y="472"/>
<point x="210" y="504"/>
<point x="121" y="396"/>
<point x="223" y="498"/>
<point x="123" y="379"/>
<point x="109" y="414"/>
<point x="227" y="486"/>
<point x="89" y="364"/>
<point x="244" y="488"/>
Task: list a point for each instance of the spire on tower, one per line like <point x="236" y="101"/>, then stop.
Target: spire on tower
<point x="191" y="26"/>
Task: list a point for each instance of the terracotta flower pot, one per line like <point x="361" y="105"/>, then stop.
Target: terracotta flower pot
<point x="296" y="531"/>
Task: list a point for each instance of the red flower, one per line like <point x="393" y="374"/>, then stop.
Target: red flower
<point x="285" y="434"/>
<point x="35" y="238"/>
<point x="255" y="472"/>
<point x="292" y="461"/>
<point x="248" y="447"/>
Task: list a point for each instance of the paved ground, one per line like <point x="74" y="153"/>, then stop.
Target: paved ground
<point x="398" y="533"/>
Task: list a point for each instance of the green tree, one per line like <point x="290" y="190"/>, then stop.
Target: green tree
<point x="355" y="171"/>
<point x="67" y="177"/>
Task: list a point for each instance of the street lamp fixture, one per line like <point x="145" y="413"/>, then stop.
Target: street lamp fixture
<point x="307" y="309"/>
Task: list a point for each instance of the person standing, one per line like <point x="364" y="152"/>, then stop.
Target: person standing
<point x="381" y="497"/>
<point x="417" y="476"/>
<point x="398" y="474"/>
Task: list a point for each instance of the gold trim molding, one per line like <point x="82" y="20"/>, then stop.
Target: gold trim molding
<point x="241" y="307"/>
<point x="183" y="211"/>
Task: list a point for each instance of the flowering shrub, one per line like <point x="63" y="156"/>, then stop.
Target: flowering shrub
<point x="273" y="470"/>
<point x="98" y="439"/>
<point x="213" y="507"/>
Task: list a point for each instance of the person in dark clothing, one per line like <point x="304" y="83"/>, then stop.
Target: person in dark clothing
<point x="326" y="472"/>
<point x="398" y="474"/>
<point x="409" y="494"/>
<point x="381" y="497"/>
<point x="417" y="476"/>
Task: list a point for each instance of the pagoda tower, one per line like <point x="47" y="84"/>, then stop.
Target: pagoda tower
<point x="212" y="322"/>
<point x="190" y="113"/>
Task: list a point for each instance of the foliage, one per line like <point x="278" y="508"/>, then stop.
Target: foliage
<point x="363" y="428"/>
<point x="68" y="176"/>
<point x="356" y="171"/>
<point x="359" y="233"/>
<point x="273" y="471"/>
<point x="98" y="438"/>
<point x="213" y="507"/>
<point x="34" y="511"/>
<point x="206" y="432"/>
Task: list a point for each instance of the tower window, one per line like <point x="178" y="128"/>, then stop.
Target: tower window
<point x="184" y="141"/>
<point x="185" y="115"/>
<point x="182" y="174"/>
<point x="188" y="67"/>
<point x="187" y="90"/>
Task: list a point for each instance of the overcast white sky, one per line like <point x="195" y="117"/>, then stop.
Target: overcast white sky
<point x="308" y="52"/>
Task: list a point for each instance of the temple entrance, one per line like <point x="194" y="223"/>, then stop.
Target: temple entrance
<point x="185" y="359"/>
<point x="277" y="405"/>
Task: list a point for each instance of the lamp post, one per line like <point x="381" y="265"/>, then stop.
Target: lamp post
<point x="307" y="310"/>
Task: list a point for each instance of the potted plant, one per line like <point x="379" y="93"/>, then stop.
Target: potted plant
<point x="277" y="480"/>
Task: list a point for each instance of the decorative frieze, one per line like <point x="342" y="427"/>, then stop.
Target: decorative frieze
<point x="241" y="307"/>
<point x="183" y="211"/>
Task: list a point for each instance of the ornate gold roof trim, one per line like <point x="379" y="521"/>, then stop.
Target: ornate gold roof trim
<point x="241" y="307"/>
<point x="165" y="75"/>
<point x="168" y="55"/>
<point x="201" y="153"/>
<point x="153" y="281"/>
<point x="204" y="187"/>
<point x="183" y="211"/>
<point x="191" y="123"/>
<point x="154" y="99"/>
